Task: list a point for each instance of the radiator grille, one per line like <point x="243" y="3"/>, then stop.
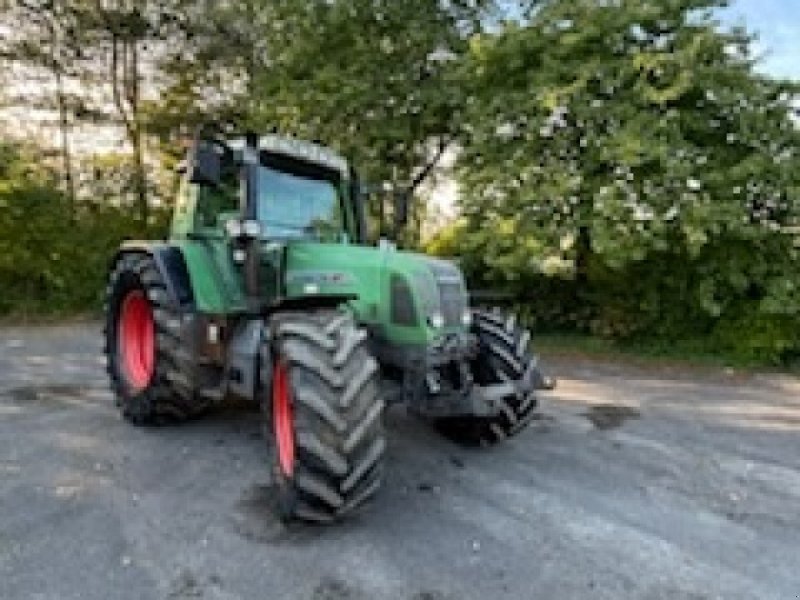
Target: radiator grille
<point x="452" y="293"/>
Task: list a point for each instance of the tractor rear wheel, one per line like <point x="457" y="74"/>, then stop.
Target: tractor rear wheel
<point x="504" y="355"/>
<point x="141" y="346"/>
<point x="323" y="415"/>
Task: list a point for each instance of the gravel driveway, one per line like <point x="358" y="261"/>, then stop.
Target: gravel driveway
<point x="634" y="483"/>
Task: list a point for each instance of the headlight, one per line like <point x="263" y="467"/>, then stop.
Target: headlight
<point x="251" y="229"/>
<point x="436" y="320"/>
<point x="466" y="317"/>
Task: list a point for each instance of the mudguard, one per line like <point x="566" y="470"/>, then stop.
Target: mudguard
<point x="172" y="266"/>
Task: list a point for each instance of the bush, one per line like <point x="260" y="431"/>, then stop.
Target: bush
<point x="53" y="256"/>
<point x="738" y="297"/>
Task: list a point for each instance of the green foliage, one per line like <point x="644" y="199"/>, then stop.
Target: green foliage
<point x="628" y="150"/>
<point x="52" y="260"/>
<point x="377" y="79"/>
<point x="372" y="77"/>
<point x="447" y="241"/>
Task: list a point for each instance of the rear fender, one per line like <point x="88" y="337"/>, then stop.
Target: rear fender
<point x="171" y="265"/>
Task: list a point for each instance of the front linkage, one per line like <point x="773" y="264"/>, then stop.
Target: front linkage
<point x="477" y="387"/>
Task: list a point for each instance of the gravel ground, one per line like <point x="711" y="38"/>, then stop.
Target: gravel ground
<point x="634" y="483"/>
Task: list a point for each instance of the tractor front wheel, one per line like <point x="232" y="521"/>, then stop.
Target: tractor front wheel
<point x="504" y="355"/>
<point x="323" y="415"/>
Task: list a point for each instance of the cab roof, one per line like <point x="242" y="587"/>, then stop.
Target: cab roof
<point x="298" y="149"/>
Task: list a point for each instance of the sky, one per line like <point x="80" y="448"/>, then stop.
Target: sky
<point x="777" y="24"/>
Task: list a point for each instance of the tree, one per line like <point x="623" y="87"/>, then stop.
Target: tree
<point x="124" y="40"/>
<point x="207" y="66"/>
<point x="606" y="135"/>
<point x="45" y="266"/>
<point x="376" y="78"/>
<point x="42" y="35"/>
<point x="115" y="31"/>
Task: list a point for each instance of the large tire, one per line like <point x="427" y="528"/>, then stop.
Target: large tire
<point x="503" y="355"/>
<point x="142" y="346"/>
<point x="323" y="415"/>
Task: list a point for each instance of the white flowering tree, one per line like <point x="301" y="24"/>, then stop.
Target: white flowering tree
<point x="606" y="137"/>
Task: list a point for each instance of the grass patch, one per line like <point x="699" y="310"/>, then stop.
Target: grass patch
<point x="697" y="353"/>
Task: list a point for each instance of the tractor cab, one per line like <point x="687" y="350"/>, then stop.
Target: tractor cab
<point x="291" y="189"/>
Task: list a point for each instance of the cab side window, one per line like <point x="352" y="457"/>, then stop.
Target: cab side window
<point x="212" y="201"/>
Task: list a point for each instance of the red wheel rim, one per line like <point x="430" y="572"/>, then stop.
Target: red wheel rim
<point x="136" y="335"/>
<point x="282" y="418"/>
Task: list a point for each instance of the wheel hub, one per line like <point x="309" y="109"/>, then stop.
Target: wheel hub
<point x="282" y="419"/>
<point x="136" y="335"/>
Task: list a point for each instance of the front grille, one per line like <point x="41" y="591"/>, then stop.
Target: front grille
<point x="452" y="292"/>
<point x="453" y="302"/>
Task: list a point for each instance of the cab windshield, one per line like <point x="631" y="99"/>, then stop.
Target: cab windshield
<point x="297" y="206"/>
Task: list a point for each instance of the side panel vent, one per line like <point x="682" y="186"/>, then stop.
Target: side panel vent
<point x="403" y="312"/>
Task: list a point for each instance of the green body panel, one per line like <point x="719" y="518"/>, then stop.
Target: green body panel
<point x="315" y="269"/>
<point x="364" y="272"/>
<point x="216" y="285"/>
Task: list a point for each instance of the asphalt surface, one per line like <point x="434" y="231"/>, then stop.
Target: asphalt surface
<point x="635" y="483"/>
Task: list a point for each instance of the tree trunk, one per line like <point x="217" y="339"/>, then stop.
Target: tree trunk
<point x="136" y="136"/>
<point x="140" y="175"/>
<point x="583" y="250"/>
<point x="66" y="153"/>
<point x="125" y="89"/>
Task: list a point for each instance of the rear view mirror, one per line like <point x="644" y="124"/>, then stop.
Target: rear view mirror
<point x="204" y="164"/>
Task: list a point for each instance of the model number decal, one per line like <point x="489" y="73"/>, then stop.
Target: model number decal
<point x="321" y="278"/>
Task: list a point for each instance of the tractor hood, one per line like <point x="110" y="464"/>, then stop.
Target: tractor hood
<point x="411" y="296"/>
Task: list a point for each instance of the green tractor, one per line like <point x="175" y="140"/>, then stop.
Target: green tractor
<point x="268" y="290"/>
